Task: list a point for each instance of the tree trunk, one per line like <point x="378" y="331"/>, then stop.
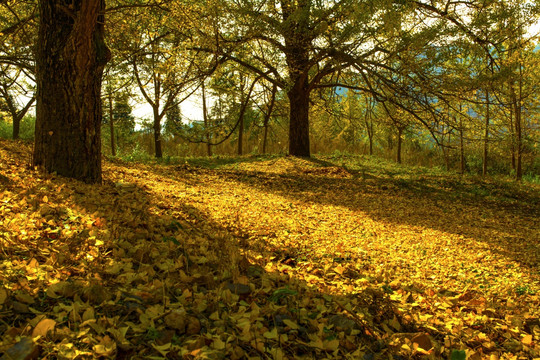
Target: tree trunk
<point x="486" y="138"/>
<point x="299" y="118"/>
<point x="267" y="117"/>
<point x="157" y="133"/>
<point x="399" y="143"/>
<point x="461" y="145"/>
<point x="243" y="107"/>
<point x="445" y="149"/>
<point x="16" y="127"/>
<point x="512" y="134"/>
<point x="296" y="33"/>
<point x="70" y="57"/>
<point x="369" y="125"/>
<point x="18" y="116"/>
<point x="241" y="134"/>
<point x="265" y="138"/>
<point x="519" y="143"/>
<point x="111" y="123"/>
<point x="206" y="123"/>
<point x="517" y="99"/>
<point x="370" y="136"/>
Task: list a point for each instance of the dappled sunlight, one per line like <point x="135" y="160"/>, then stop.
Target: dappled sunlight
<point x="286" y="256"/>
<point x="441" y="260"/>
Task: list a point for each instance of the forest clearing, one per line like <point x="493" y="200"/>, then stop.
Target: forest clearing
<point x="128" y="230"/>
<point x="269" y="257"/>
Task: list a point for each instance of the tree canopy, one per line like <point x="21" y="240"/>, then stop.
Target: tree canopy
<point x="419" y="62"/>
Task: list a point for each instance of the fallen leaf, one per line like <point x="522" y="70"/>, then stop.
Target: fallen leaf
<point x="43" y="327"/>
<point x="527" y="340"/>
<point x="3" y="295"/>
<point x="271" y="334"/>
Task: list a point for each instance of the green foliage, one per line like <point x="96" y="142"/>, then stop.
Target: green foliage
<point x="281" y="294"/>
<point x="27" y="129"/>
<point x="524" y="290"/>
<point x="122" y="114"/>
<point x="137" y="154"/>
<point x="173" y="121"/>
<point x="532" y="178"/>
<point x="152" y="334"/>
<point x="458" y="355"/>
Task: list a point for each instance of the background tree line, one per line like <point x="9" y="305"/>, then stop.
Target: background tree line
<point x="438" y="83"/>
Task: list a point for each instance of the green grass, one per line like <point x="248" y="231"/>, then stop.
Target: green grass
<point x="434" y="181"/>
<point x="26" y="131"/>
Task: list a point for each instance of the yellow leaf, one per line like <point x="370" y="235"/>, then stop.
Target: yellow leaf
<point x="339" y="269"/>
<point x="271" y="334"/>
<point x="163" y="349"/>
<point x="43" y="327"/>
<point x="291" y="324"/>
<point x="214" y="316"/>
<point x="3" y="296"/>
<point x="25" y="298"/>
<point x="218" y="344"/>
<point x="88" y="314"/>
<point x="527" y="340"/>
<point x="317" y="344"/>
<point x="277" y="354"/>
<point x="331" y="345"/>
<point x="395" y="324"/>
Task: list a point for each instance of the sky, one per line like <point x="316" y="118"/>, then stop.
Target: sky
<point x="191" y="109"/>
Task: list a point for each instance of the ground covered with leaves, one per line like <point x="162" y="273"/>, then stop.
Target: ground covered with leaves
<point x="266" y="258"/>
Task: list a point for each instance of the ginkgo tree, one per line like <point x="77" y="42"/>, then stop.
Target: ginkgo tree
<point x="295" y="45"/>
<point x="70" y="57"/>
<point x="304" y="45"/>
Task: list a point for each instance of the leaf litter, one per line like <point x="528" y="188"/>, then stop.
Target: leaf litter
<point x="267" y="258"/>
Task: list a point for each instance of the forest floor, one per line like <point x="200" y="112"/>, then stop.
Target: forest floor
<point x="266" y="258"/>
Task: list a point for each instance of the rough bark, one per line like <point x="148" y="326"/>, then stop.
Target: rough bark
<point x="297" y="44"/>
<point x="70" y="57"/>
<point x="299" y="119"/>
<point x="16" y="128"/>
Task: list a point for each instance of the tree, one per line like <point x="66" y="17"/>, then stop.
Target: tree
<point x="267" y="112"/>
<point x="17" y="36"/>
<point x="13" y="90"/>
<point x="159" y="67"/>
<point x="303" y="45"/>
<point x="295" y="45"/>
<point x="70" y="55"/>
<point x="118" y="83"/>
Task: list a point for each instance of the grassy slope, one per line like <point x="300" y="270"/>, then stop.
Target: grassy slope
<point x="267" y="257"/>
